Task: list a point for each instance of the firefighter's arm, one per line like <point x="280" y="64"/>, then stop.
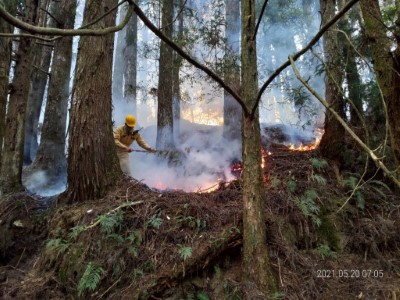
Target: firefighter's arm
<point x="143" y="144"/>
<point x="117" y="136"/>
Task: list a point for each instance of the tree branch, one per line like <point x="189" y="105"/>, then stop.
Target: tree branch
<point x="12" y="35"/>
<point x="302" y="51"/>
<point x="371" y="154"/>
<point x="259" y="19"/>
<point x="64" y="32"/>
<point x="186" y="56"/>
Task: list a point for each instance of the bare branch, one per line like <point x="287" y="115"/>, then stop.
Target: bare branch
<point x="259" y="19"/>
<point x="51" y="16"/>
<point x="64" y="32"/>
<point x="26" y="35"/>
<point x="186" y="56"/>
<point x="371" y="154"/>
<point x="296" y="56"/>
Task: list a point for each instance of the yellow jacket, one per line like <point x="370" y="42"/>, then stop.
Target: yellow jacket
<point x="123" y="141"/>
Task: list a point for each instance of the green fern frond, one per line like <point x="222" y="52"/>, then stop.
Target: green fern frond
<point x="319" y="179"/>
<point x="185" y="252"/>
<point x="318" y="164"/>
<point x="110" y="221"/>
<point x="155" y="221"/>
<point x="76" y="231"/>
<point x="90" y="278"/>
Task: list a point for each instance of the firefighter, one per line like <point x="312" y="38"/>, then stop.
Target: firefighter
<point x="124" y="136"/>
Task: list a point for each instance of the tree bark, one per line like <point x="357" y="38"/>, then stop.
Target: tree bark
<point x="39" y="77"/>
<point x="5" y="63"/>
<point x="51" y="152"/>
<point x="387" y="69"/>
<point x="256" y="265"/>
<point x="332" y="141"/>
<point x="92" y="162"/>
<point x="165" y="127"/>
<point x="232" y="109"/>
<point x="11" y="166"/>
<point x="130" y="63"/>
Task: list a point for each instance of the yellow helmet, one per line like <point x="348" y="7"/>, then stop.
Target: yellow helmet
<point x="130" y="120"/>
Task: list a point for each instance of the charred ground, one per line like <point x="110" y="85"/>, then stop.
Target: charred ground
<point x="141" y="243"/>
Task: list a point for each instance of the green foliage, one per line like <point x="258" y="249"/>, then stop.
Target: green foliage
<point x="277" y="296"/>
<point x="137" y="273"/>
<point x="274" y="181"/>
<point x="76" y="231"/>
<point x="318" y="164"/>
<point x="192" y="222"/>
<point x="325" y="251"/>
<point x="318" y="179"/>
<point x="108" y="222"/>
<point x="59" y="245"/>
<point x="217" y="270"/>
<point x="185" y="252"/>
<point x="307" y="204"/>
<point x="155" y="221"/>
<point x="291" y="185"/>
<point x="202" y="296"/>
<point x="389" y="13"/>
<point x="116" y="237"/>
<point x="363" y="188"/>
<point x="90" y="278"/>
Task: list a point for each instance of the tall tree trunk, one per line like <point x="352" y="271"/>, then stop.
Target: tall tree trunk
<point x="164" y="113"/>
<point x="130" y="63"/>
<point x="92" y="161"/>
<point x="351" y="71"/>
<point x="387" y="69"/>
<point x="118" y="72"/>
<point x="5" y="63"/>
<point x="177" y="62"/>
<point x="39" y="76"/>
<point x="332" y="141"/>
<point x="257" y="267"/>
<point x="51" y="152"/>
<point x="232" y="109"/>
<point x="11" y="166"/>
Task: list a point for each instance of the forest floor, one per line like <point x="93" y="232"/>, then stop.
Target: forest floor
<point x="139" y="243"/>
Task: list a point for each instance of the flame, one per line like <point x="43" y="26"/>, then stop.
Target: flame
<point x="305" y="147"/>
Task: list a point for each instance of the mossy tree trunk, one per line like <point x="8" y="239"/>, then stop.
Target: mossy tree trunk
<point x="165" y="119"/>
<point x="51" y="152"/>
<point x="332" y="141"/>
<point x="387" y="69"/>
<point x="92" y="162"/>
<point x="11" y="166"/>
<point x="256" y="265"/>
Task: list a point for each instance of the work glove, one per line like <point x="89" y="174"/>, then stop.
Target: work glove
<point x="130" y="149"/>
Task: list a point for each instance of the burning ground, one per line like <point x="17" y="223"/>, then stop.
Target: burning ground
<point x="141" y="243"/>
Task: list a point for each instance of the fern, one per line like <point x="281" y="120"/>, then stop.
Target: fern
<point x="308" y="206"/>
<point x="318" y="164"/>
<point x="116" y="237"/>
<point x="202" y="296"/>
<point x="135" y="238"/>
<point x="291" y="185"/>
<point x="325" y="251"/>
<point x="58" y="245"/>
<point x="110" y="221"/>
<point x="90" y="278"/>
<point x="76" y="231"/>
<point x="274" y="181"/>
<point x="319" y="179"/>
<point x="155" y="221"/>
<point x="185" y="252"/>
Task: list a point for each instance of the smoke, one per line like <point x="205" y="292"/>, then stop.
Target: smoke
<point x="40" y="183"/>
<point x="203" y="158"/>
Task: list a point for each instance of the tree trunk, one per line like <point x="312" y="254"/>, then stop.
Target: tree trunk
<point x="232" y="109"/>
<point x="332" y="141"/>
<point x="39" y="76"/>
<point x="5" y="63"/>
<point x="387" y="70"/>
<point x="130" y="63"/>
<point x="351" y="71"/>
<point x="11" y="167"/>
<point x="92" y="162"/>
<point x="257" y="267"/>
<point x="164" y="113"/>
<point x="177" y="62"/>
<point x="118" y="74"/>
<point x="51" y="153"/>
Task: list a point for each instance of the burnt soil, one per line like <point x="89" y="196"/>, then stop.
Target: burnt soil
<point x="138" y="243"/>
